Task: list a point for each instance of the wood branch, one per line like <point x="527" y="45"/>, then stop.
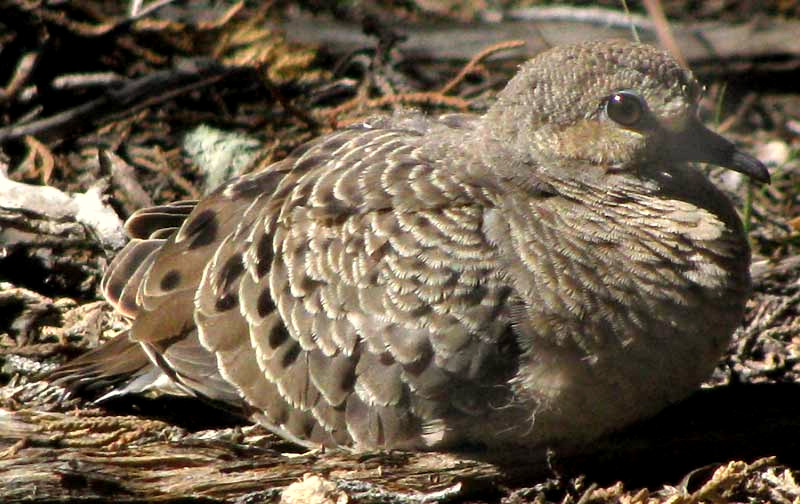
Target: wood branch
<point x="709" y="47"/>
<point x="46" y="456"/>
<point x="40" y="214"/>
<point x="124" y="98"/>
<point x="123" y="176"/>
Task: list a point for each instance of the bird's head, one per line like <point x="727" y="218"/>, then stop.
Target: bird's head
<point x="616" y="105"/>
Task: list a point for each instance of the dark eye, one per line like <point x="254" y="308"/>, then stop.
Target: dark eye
<point x="625" y="108"/>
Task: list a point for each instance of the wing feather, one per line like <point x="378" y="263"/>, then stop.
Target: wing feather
<point x="346" y="294"/>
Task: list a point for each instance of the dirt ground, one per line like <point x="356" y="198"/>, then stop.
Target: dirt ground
<point x="107" y="107"/>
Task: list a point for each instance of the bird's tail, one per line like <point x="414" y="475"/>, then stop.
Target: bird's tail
<point x="117" y="367"/>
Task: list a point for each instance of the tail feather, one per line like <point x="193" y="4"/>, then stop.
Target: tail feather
<point x="105" y="368"/>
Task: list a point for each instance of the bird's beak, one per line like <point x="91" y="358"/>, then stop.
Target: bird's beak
<point x="698" y="143"/>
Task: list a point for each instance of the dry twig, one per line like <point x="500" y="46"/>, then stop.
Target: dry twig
<point x="438" y="98"/>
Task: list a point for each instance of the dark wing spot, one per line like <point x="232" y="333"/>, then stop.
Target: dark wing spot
<point x="348" y="380"/>
<point x="419" y="365"/>
<point x="422" y="223"/>
<point x="226" y="302"/>
<point x="277" y="335"/>
<point x="230" y="272"/>
<point x="291" y="355"/>
<point x="202" y="229"/>
<point x="265" y="305"/>
<point x="265" y="255"/>
<point x="421" y="311"/>
<point x="170" y="280"/>
<point x="386" y="359"/>
<point x="309" y="284"/>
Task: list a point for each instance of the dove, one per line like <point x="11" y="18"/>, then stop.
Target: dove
<point x="539" y="275"/>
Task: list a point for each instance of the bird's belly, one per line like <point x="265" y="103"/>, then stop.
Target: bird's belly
<point x="617" y="365"/>
<point x="619" y="322"/>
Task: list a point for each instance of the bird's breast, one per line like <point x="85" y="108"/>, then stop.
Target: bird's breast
<point x="627" y="306"/>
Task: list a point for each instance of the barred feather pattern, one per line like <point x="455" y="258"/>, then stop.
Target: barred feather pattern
<point x="421" y="283"/>
<point x="347" y="293"/>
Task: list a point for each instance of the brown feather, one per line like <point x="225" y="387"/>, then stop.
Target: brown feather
<point x="536" y="275"/>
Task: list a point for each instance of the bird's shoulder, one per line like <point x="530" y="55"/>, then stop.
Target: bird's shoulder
<point x="404" y="162"/>
<point x="361" y="268"/>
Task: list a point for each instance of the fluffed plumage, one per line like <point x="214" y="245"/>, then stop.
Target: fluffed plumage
<point x="544" y="273"/>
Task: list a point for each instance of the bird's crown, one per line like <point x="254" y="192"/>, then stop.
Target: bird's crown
<point x="614" y="104"/>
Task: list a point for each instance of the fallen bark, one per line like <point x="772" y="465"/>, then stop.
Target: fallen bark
<point x="91" y="456"/>
<point x="39" y="215"/>
<point x="767" y="44"/>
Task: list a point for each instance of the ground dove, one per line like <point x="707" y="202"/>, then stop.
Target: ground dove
<point x="539" y="275"/>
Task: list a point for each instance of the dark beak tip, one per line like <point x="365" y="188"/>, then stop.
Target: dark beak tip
<point x="698" y="143"/>
<point x="750" y="166"/>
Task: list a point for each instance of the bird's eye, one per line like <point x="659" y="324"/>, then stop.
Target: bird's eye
<point x="625" y="108"/>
